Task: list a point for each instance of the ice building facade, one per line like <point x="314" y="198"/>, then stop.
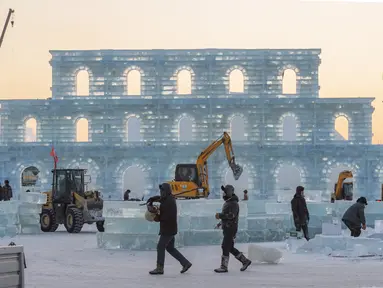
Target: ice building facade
<point x="210" y="105"/>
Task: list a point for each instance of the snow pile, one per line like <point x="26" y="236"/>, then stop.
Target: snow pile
<point x="21" y="217"/>
<point x="262" y="254"/>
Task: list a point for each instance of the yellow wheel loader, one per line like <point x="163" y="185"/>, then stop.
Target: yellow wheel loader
<point x="192" y="180"/>
<point x="68" y="203"/>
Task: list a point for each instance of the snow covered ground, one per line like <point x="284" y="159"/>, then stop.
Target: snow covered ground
<point x="63" y="260"/>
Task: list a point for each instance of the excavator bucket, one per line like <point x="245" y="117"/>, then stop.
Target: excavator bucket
<point x="237" y="171"/>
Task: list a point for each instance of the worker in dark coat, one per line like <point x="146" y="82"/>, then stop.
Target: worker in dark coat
<point x="229" y="223"/>
<point x="167" y="217"/>
<point x="354" y="217"/>
<point x="7" y="191"/>
<point x="127" y="195"/>
<point x="301" y="214"/>
<point x="1" y="193"/>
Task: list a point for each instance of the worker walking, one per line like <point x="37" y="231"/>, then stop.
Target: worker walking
<point x="168" y="229"/>
<point x="301" y="214"/>
<point x="354" y="217"/>
<point x="229" y="223"/>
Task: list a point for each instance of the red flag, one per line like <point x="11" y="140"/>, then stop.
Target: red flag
<point x="55" y="158"/>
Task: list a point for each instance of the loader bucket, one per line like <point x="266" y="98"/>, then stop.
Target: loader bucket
<point x="237" y="171"/>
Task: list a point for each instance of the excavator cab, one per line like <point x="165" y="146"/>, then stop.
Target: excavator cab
<point x="187" y="172"/>
<point x="70" y="204"/>
<point x="343" y="190"/>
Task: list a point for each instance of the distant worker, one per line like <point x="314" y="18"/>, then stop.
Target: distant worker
<point x="245" y="196"/>
<point x="1" y="193"/>
<point x="229" y="223"/>
<point x="301" y="214"/>
<point x="126" y="195"/>
<point x="7" y="191"/>
<point x="167" y="217"/>
<point x="354" y="217"/>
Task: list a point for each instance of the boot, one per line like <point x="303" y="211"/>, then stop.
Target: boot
<point x="158" y="271"/>
<point x="224" y="265"/>
<point x="245" y="262"/>
<point x="186" y="267"/>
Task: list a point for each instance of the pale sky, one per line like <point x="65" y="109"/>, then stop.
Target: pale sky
<point x="349" y="34"/>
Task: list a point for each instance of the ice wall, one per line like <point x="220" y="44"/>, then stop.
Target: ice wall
<point x="209" y="107"/>
<point x="21" y="216"/>
<point x="126" y="227"/>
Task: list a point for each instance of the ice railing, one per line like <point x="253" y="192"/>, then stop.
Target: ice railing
<point x="21" y="216"/>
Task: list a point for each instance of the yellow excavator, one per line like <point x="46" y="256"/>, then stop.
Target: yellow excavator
<point x="70" y="204"/>
<point x="342" y="190"/>
<point x="192" y="180"/>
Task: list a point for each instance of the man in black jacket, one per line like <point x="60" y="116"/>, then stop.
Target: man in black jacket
<point x="229" y="223"/>
<point x="168" y="229"/>
<point x="354" y="217"/>
<point x="300" y="212"/>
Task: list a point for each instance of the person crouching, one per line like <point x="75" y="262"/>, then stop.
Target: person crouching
<point x="354" y="217"/>
<point x="168" y="229"/>
<point x="229" y="223"/>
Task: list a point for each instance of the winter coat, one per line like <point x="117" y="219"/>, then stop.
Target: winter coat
<point x="355" y="215"/>
<point x="1" y="194"/>
<point x="7" y="189"/>
<point x="230" y="214"/>
<point x="299" y="208"/>
<point x="168" y="211"/>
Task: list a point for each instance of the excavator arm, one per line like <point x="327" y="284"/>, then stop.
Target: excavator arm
<point x="192" y="180"/>
<point x="10" y="12"/>
<point x="226" y="141"/>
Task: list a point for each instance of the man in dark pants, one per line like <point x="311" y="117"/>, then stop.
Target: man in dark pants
<point x="300" y="212"/>
<point x="354" y="217"/>
<point x="168" y="229"/>
<point x="229" y="223"/>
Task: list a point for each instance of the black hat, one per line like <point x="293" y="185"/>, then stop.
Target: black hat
<point x="362" y="200"/>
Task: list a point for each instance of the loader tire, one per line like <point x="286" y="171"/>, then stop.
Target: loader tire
<point x="74" y="220"/>
<point x="48" y="221"/>
<point x="100" y="226"/>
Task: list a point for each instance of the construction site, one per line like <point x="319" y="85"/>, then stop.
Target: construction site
<point x="81" y="165"/>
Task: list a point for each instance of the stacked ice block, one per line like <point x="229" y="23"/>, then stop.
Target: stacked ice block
<point x="126" y="227"/>
<point x="21" y="217"/>
<point x="9" y="218"/>
<point x="29" y="212"/>
<point x="197" y="222"/>
<point x="260" y="220"/>
<point x="269" y="222"/>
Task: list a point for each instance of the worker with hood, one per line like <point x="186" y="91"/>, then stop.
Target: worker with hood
<point x="354" y="217"/>
<point x="301" y="214"/>
<point x="167" y="217"/>
<point x="229" y="223"/>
